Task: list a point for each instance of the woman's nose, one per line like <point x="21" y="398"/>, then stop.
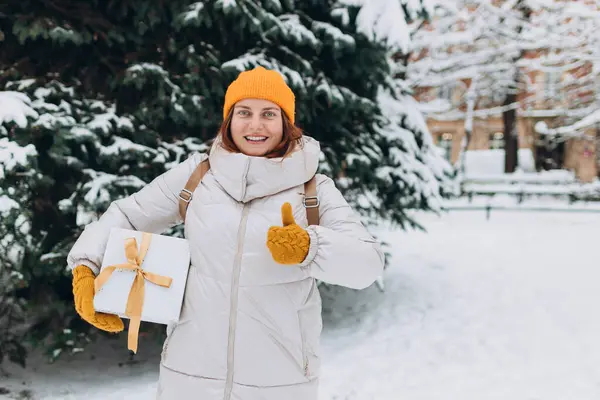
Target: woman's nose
<point x="254" y="123"/>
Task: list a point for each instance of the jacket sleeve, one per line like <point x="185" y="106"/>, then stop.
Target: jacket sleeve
<point x="152" y="209"/>
<point x="341" y="251"/>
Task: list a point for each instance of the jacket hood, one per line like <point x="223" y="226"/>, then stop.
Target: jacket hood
<point x="246" y="178"/>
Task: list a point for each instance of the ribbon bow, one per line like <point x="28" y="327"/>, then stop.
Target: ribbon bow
<point x="135" y="301"/>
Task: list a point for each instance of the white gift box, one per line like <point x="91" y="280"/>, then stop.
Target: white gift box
<point x="166" y="256"/>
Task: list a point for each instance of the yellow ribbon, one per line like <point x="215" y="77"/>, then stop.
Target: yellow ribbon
<point x="135" y="300"/>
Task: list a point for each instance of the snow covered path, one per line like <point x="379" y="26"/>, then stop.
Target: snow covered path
<point x="475" y="309"/>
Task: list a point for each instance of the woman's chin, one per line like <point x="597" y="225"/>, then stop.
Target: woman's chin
<point x="255" y="151"/>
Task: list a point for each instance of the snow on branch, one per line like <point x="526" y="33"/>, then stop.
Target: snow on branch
<point x="575" y="130"/>
<point x="193" y="12"/>
<point x="248" y="60"/>
<point x="16" y="107"/>
<point x="481" y="113"/>
<point x="338" y="37"/>
<point x="292" y="28"/>
<point x="383" y="20"/>
<point x="13" y="156"/>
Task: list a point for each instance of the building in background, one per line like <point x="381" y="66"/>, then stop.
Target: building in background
<point x="550" y="64"/>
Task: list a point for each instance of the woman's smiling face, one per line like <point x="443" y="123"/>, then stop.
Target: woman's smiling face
<point x="256" y="126"/>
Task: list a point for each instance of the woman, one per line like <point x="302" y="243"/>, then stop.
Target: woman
<point x="251" y="318"/>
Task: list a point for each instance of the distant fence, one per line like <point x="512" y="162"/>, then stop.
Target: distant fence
<point x="530" y="186"/>
<point x="522" y="192"/>
<point x="524" y="208"/>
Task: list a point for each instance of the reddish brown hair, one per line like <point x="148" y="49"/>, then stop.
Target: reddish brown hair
<point x="292" y="137"/>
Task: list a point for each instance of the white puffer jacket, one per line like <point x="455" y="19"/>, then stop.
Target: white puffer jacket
<point x="249" y="327"/>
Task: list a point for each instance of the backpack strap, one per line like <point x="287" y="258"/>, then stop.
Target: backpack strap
<point x="311" y="201"/>
<point x="185" y="196"/>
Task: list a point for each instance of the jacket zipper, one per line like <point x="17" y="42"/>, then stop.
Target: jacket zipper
<point x="235" y="281"/>
<point x="305" y="358"/>
<point x="304" y="355"/>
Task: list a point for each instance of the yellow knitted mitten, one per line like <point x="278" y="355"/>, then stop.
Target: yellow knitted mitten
<point x="288" y="244"/>
<point x="83" y="293"/>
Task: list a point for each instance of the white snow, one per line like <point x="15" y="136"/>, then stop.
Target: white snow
<point x="336" y="35"/>
<point x="292" y="28"/>
<point x="510" y="202"/>
<point x="557" y="176"/>
<point x="329" y="90"/>
<point x="492" y="161"/>
<point x="422" y="168"/>
<point x="383" y="20"/>
<point x="20" y="85"/>
<point x="522" y="188"/>
<point x="80" y="131"/>
<point x="54" y="120"/>
<point x="474" y="309"/>
<point x="15" y="107"/>
<point x="242" y="63"/>
<point x="484" y="176"/>
<point x="122" y="145"/>
<point x="13" y="155"/>
<point x="193" y="12"/>
<point x="60" y="35"/>
<point x="104" y="121"/>
<point x="227" y="4"/>
<point x="436" y="105"/>
<point x="97" y="190"/>
<point x="7" y="204"/>
<point x="342" y="14"/>
<point x="574" y="130"/>
<point x="147" y="67"/>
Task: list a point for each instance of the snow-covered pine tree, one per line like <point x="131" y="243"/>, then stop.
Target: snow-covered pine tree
<point x="99" y="100"/>
<point x="16" y="180"/>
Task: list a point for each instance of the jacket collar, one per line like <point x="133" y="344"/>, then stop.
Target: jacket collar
<point x="246" y="178"/>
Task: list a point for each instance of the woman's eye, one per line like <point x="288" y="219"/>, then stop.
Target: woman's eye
<point x="269" y="114"/>
<point x="243" y="113"/>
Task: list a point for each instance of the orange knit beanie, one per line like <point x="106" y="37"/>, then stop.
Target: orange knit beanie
<point x="260" y="83"/>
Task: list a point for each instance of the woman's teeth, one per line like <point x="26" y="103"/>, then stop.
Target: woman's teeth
<point x="256" y="138"/>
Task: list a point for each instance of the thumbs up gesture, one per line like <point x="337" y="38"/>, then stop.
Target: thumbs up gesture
<point x="288" y="244"/>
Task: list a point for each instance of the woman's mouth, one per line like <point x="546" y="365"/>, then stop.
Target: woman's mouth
<point x="255" y="138"/>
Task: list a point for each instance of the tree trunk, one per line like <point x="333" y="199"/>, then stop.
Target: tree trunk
<point x="509" y="117"/>
<point x="511" y="137"/>
<point x="471" y="100"/>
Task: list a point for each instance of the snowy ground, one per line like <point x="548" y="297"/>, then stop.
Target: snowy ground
<point x="502" y="309"/>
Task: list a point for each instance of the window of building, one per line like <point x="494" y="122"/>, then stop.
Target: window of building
<point x="445" y="143"/>
<point x="497" y="140"/>
<point x="551" y="84"/>
<point x="445" y="92"/>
